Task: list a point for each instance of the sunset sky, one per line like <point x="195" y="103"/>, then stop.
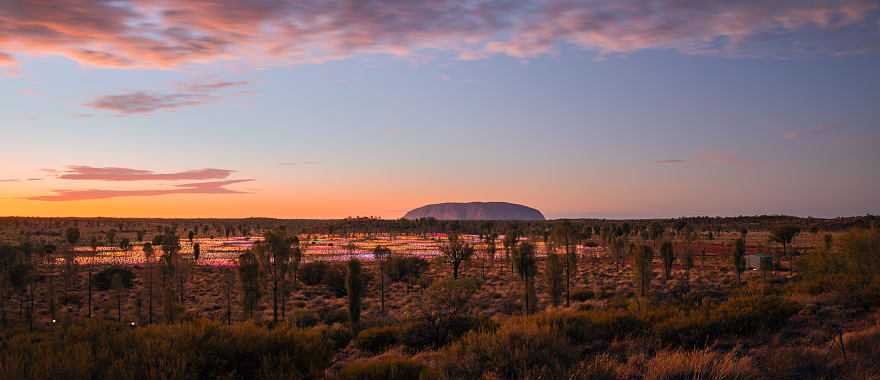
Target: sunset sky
<point x="328" y="109"/>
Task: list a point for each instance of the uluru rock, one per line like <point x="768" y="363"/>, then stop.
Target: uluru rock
<point x="475" y="211"/>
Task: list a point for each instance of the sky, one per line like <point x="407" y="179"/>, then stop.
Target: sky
<point x="329" y="109"/>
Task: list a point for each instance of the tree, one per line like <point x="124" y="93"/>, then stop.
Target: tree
<point x="229" y="283"/>
<point x="278" y="244"/>
<point x="829" y="241"/>
<point x="72" y="235"/>
<point x="354" y="286"/>
<point x="784" y="235"/>
<point x="667" y="253"/>
<point x="739" y="252"/>
<point x="456" y="252"/>
<point x="509" y="242"/>
<point x="148" y="258"/>
<point x="172" y="274"/>
<point x="565" y="236"/>
<point x="380" y="255"/>
<point x="554" y="278"/>
<point x="688" y="235"/>
<point x="524" y="264"/>
<point x="111" y="237"/>
<point x="249" y="273"/>
<point x="118" y="290"/>
<point x="642" y="255"/>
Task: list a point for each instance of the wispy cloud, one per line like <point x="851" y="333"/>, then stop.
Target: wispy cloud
<point x="816" y="131"/>
<point x="162" y="33"/>
<point x="142" y="102"/>
<point x="217" y="187"/>
<point x="212" y="86"/>
<point x="670" y="161"/>
<point x="8" y="180"/>
<point x="79" y="172"/>
<point x="726" y="157"/>
<point x="192" y="94"/>
<point x="294" y="163"/>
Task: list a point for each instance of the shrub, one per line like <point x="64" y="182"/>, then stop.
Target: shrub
<point x="400" y="268"/>
<point x="386" y="367"/>
<point x="588" y="326"/>
<point x="193" y="350"/>
<point x="377" y="339"/>
<point x="305" y="318"/>
<point x="437" y="332"/>
<point x="331" y="275"/>
<point x="337" y="334"/>
<point x="740" y="315"/>
<point x="517" y="350"/>
<point x="104" y="279"/>
<point x="582" y="295"/>
<point x="313" y="273"/>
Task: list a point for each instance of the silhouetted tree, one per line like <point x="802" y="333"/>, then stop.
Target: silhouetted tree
<point x="456" y="251"/>
<point x="380" y="255"/>
<point x="642" y="255"/>
<point x="784" y="235"/>
<point x="229" y="283"/>
<point x="354" y="286"/>
<point x="667" y="253"/>
<point x="554" y="278"/>
<point x="524" y="265"/>
<point x="565" y="237"/>
<point x="249" y="273"/>
<point x="739" y="252"/>
<point x="278" y="244"/>
<point x="118" y="290"/>
<point x="149" y="267"/>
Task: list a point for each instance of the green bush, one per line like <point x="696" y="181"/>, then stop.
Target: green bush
<point x="104" y="278"/>
<point x="377" y="339"/>
<point x="386" y="367"/>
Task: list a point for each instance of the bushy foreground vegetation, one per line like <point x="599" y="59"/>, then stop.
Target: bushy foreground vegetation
<point x="661" y="329"/>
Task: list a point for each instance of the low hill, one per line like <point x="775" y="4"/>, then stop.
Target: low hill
<point x="475" y="211"/>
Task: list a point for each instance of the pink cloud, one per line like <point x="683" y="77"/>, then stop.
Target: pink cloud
<point x="142" y="102"/>
<point x="169" y="33"/>
<point x="217" y="187"/>
<point x="6" y="59"/>
<point x="77" y="172"/>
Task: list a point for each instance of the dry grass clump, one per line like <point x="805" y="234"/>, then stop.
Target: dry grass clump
<point x="385" y="367"/>
<point x="699" y="365"/>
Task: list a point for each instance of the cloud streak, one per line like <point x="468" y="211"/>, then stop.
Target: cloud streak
<point x="138" y="102"/>
<point x="79" y="172"/>
<point x="166" y="33"/>
<point x="216" y="187"/>
<point x="816" y="131"/>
